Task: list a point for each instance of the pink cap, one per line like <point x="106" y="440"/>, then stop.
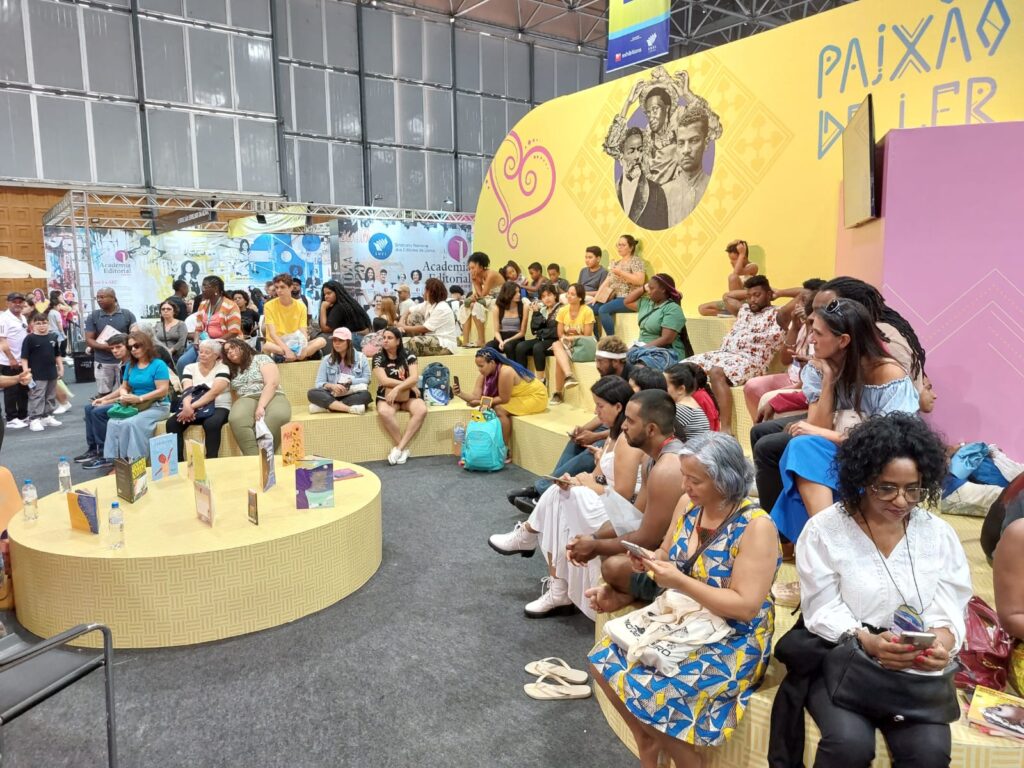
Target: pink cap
<point x="342" y="333"/>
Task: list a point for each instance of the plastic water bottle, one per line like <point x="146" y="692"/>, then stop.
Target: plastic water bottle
<point x="115" y="524"/>
<point x="459" y="433"/>
<point x="30" y="497"/>
<point x="63" y="474"/>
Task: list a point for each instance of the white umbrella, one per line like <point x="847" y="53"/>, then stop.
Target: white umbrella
<point x="12" y="269"/>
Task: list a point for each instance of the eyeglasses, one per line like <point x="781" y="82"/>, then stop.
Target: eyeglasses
<point x="834" y="308"/>
<point x="134" y="346"/>
<point x="912" y="493"/>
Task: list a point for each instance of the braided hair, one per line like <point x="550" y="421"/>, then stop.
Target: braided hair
<point x="872" y="300"/>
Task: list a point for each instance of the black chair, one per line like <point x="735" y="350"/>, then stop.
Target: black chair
<point x="32" y="672"/>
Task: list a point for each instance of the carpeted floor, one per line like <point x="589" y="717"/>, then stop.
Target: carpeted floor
<point x="422" y="667"/>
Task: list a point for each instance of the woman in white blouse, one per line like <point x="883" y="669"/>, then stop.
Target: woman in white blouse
<point x="875" y="559"/>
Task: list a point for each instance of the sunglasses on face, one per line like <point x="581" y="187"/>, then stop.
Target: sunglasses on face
<point x="912" y="493"/>
<point x="134" y="346"/>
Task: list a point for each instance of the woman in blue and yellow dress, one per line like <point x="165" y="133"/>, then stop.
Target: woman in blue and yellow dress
<point x="731" y="578"/>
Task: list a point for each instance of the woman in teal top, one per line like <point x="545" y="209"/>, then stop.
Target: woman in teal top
<point x="659" y="315"/>
<point x="146" y="386"/>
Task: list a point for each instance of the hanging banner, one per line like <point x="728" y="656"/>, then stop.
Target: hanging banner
<point x="375" y="256"/>
<point x="637" y="31"/>
<point x="141" y="268"/>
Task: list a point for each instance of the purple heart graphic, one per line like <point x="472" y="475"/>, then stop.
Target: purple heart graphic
<point x="527" y="181"/>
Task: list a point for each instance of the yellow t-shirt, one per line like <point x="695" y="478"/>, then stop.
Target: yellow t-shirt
<point x="285" y="319"/>
<point x="586" y="315"/>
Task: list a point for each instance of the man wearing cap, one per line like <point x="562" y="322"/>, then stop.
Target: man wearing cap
<point x="659" y="316"/>
<point x="13" y="330"/>
<point x="405" y="302"/>
<point x="103" y="323"/>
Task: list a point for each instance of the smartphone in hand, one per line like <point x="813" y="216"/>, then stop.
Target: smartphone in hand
<point x="920" y="640"/>
<point x="636" y="549"/>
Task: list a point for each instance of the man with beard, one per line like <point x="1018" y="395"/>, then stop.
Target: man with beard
<point x="642" y="199"/>
<point x="649" y="424"/>
<point x="686" y="189"/>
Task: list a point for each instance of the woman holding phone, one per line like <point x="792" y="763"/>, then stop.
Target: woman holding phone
<point x="877" y="568"/>
<point x="574" y="506"/>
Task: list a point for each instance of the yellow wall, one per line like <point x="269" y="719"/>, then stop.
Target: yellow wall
<point x="769" y="185"/>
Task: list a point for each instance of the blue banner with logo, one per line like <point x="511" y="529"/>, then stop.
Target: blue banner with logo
<point x="637" y="31"/>
<point x="374" y="257"/>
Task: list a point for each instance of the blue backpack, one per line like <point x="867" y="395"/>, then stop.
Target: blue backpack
<point x="435" y="384"/>
<point x="483" y="448"/>
<point x="655" y="358"/>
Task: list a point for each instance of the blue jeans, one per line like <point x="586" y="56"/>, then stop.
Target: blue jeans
<point x="574" y="460"/>
<point x="96" y="418"/>
<point x="188" y="357"/>
<point x="606" y="314"/>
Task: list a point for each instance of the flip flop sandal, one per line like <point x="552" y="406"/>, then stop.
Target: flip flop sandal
<point x="556" y="690"/>
<point x="559" y="668"/>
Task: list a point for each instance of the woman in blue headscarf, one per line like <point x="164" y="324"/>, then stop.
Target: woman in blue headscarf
<point x="513" y="389"/>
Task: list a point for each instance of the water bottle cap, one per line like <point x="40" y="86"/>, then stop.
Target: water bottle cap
<point x="28" y="481"/>
<point x="115" y="504"/>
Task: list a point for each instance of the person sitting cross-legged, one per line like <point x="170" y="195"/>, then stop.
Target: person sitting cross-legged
<point x="722" y="551"/>
<point x="747" y="349"/>
<point x="512" y="389"/>
<point x="575" y="506"/>
<point x="576" y="457"/>
<point x="343" y="379"/>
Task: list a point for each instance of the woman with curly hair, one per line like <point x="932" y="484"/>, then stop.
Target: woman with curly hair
<point x="850" y="379"/>
<point x="875" y="565"/>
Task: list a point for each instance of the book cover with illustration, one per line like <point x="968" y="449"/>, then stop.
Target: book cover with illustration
<point x="83" y="510"/>
<point x="163" y="456"/>
<point x="196" y="460"/>
<point x="345" y="473"/>
<point x="293" y="443"/>
<point x="314" y="483"/>
<point x="204" y="502"/>
<point x="130" y="478"/>
<point x="997" y="713"/>
<point x="254" y="511"/>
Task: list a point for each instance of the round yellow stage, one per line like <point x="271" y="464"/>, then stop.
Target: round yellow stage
<point x="178" y="581"/>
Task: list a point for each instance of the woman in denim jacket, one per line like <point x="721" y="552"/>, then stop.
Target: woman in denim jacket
<point x="342" y="383"/>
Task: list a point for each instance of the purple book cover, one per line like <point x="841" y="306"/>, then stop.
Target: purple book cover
<point x="314" y="483"/>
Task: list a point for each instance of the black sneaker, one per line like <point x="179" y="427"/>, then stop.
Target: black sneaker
<point x="99" y="463"/>
<point x="89" y="455"/>
<point x="529" y="492"/>
<point x="524" y="505"/>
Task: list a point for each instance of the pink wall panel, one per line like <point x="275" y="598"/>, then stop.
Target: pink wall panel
<point x="954" y="210"/>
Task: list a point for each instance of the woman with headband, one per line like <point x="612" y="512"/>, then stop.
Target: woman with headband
<point x="659" y="316"/>
<point x="513" y="390"/>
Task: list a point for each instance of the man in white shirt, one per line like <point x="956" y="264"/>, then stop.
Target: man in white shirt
<point x="405" y="302"/>
<point x="13" y="330"/>
<point x="439" y="332"/>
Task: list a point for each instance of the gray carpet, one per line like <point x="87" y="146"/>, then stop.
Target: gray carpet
<point x="421" y="667"/>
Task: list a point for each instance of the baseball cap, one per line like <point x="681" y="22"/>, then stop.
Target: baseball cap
<point x="15" y="296"/>
<point x="342" y="333"/>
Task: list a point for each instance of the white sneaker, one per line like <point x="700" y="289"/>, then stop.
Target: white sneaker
<point x="317" y="409"/>
<point x="553" y="602"/>
<point x="518" y="541"/>
<point x="393" y="456"/>
<point x="35" y="426"/>
<point x="62" y="409"/>
<point x="16" y="424"/>
<point x="403" y="456"/>
<point x="358" y="410"/>
<point x="49" y="421"/>
<point x="69" y="361"/>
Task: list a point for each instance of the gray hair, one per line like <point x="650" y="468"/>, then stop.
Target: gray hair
<point x="722" y="458"/>
<point x="212" y="344"/>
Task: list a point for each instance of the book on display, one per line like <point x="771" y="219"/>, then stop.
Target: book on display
<point x="293" y="443"/>
<point x="314" y="483"/>
<point x="130" y="478"/>
<point x="196" y="460"/>
<point x="997" y="713"/>
<point x="83" y="511"/>
<point x="254" y="511"/>
<point x="163" y="456"/>
<point x="204" y="502"/>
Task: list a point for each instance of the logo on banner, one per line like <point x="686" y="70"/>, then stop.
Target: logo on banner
<point x="381" y="246"/>
<point x="458" y="248"/>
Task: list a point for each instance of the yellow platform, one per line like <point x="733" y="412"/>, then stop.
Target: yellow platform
<point x="178" y="581"/>
<point x="749" y="744"/>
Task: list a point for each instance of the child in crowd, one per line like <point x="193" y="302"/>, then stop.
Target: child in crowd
<point x="533" y="285"/>
<point x="555" y="276"/>
<point x="39" y="355"/>
<point x="456" y="295"/>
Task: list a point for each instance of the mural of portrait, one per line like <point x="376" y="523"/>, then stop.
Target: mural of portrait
<point x="662" y="141"/>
